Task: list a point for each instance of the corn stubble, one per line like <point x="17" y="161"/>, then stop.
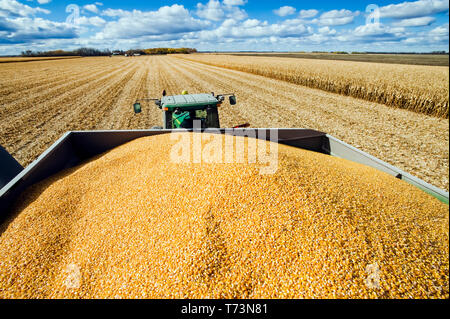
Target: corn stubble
<point x="31" y="59"/>
<point x="129" y="224"/>
<point x="422" y="89"/>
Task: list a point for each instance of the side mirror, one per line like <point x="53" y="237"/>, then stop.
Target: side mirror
<point x="158" y="103"/>
<point x="232" y="100"/>
<point x="137" y="108"/>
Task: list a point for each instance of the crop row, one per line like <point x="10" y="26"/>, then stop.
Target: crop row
<point x="422" y="89"/>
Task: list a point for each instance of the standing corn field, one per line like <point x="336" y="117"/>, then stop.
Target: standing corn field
<point x="422" y="89"/>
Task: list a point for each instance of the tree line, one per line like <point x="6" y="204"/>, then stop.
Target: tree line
<point x="77" y="52"/>
<point x="162" y="51"/>
<point x="96" y="52"/>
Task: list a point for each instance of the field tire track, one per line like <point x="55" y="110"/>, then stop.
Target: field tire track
<point x="51" y="85"/>
<point x="69" y="118"/>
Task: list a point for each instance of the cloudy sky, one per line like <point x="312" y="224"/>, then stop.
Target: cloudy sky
<point x="225" y="25"/>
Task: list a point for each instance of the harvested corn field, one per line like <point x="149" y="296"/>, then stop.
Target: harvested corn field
<point x="123" y="225"/>
<point x="24" y="59"/>
<point x="40" y="101"/>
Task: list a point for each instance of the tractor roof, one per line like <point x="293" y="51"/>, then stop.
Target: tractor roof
<point x="190" y="101"/>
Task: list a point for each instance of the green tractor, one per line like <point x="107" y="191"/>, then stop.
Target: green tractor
<point x="182" y="111"/>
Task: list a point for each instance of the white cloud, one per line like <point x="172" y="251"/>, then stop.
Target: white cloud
<point x="44" y="1"/>
<point x="414" y="22"/>
<point x="374" y="33"/>
<point x="253" y="29"/>
<point x="415" y="9"/>
<point x="91" y="7"/>
<point x="222" y="25"/>
<point x="115" y="13"/>
<point x="440" y="31"/>
<point x="166" y="21"/>
<point x="94" y="21"/>
<point x="6" y="26"/>
<point x="319" y="38"/>
<point x="214" y="10"/>
<point x="375" y="29"/>
<point x="97" y="21"/>
<point x="211" y="11"/>
<point x="336" y="17"/>
<point x="435" y="36"/>
<point x="251" y="23"/>
<point x="19" y="24"/>
<point x="305" y="14"/>
<point x="285" y="11"/>
<point x="13" y="8"/>
<point x="26" y="30"/>
<point x="234" y="2"/>
<point x="327" y="30"/>
<point x="236" y="13"/>
<point x="337" y="14"/>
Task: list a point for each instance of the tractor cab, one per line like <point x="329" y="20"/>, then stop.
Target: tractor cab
<point x="180" y="111"/>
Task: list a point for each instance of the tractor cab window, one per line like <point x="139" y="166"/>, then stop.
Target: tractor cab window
<point x="200" y="114"/>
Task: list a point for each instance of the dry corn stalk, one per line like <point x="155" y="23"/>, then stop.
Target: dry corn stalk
<point x="422" y="89"/>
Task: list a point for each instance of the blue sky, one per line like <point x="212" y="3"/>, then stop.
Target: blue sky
<point x="225" y="25"/>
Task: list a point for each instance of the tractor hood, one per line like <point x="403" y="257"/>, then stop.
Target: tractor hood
<point x="190" y="101"/>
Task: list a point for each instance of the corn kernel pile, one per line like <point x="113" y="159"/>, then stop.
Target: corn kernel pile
<point x="131" y="224"/>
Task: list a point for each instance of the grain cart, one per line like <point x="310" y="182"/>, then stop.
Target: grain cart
<point x="180" y="111"/>
<point x="76" y="147"/>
